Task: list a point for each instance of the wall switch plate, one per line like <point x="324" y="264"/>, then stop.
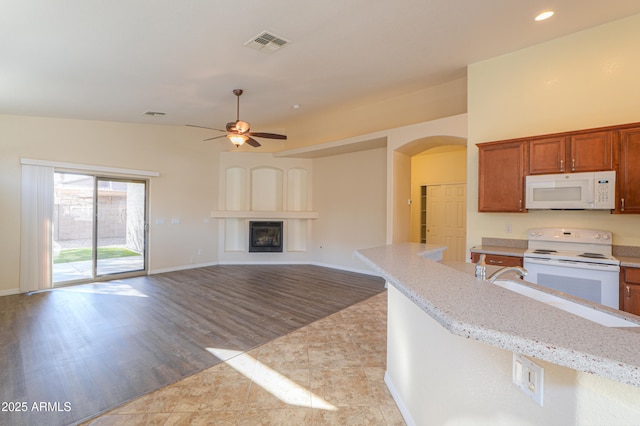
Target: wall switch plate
<point x="528" y="377"/>
<point x="160" y="221"/>
<point x="175" y="220"/>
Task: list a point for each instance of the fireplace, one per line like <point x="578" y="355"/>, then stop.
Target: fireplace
<point x="265" y="236"/>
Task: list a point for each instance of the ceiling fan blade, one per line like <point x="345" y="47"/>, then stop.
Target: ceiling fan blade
<point x="215" y="137"/>
<point x="253" y="142"/>
<point x="267" y="135"/>
<point x="231" y="127"/>
<point x="202" y="127"/>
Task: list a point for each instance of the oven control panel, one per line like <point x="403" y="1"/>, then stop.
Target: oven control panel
<point x="570" y="235"/>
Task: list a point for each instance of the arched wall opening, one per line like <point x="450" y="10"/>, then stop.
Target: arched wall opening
<point x="437" y="142"/>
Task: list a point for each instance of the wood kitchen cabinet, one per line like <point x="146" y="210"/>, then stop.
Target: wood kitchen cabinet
<point x="628" y="177"/>
<point x="498" y="259"/>
<point x="501" y="176"/>
<point x="586" y="152"/>
<point x="630" y="290"/>
<point x="547" y="155"/>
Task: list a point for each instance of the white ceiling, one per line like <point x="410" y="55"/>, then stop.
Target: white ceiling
<point x="114" y="60"/>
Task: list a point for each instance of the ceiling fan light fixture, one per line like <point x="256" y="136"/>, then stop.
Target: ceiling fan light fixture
<point x="242" y="126"/>
<point x="237" y="140"/>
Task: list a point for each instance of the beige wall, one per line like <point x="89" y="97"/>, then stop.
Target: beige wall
<point x="587" y="79"/>
<point x="188" y="168"/>
<point x="345" y="121"/>
<point x="349" y="194"/>
<point x="436" y="166"/>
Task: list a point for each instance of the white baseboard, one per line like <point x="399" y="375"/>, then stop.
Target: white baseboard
<point x="346" y="268"/>
<point x="396" y="397"/>
<point x="181" y="268"/>
<point x="9" y="292"/>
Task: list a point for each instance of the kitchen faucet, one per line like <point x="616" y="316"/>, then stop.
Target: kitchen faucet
<point x="519" y="269"/>
<point x="481" y="267"/>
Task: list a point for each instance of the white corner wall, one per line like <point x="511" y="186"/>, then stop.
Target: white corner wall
<point x="583" y="80"/>
<point x="349" y="193"/>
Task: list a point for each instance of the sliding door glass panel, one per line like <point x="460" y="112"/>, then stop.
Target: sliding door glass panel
<point x="72" y="227"/>
<point x="120" y="226"/>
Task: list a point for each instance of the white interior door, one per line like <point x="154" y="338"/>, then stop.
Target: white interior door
<point x="446" y="219"/>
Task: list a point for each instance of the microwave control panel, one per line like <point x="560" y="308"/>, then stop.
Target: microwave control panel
<point x="604" y="183"/>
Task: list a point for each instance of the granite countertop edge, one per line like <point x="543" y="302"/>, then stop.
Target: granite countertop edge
<point x="458" y="302"/>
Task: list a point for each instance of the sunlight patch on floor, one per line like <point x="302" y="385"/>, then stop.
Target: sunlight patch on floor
<point x="270" y="380"/>
<point x="113" y="288"/>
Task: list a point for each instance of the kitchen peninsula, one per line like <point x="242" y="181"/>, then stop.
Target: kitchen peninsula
<point x="451" y="339"/>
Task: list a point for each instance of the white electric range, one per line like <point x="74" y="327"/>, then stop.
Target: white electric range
<point x="574" y="261"/>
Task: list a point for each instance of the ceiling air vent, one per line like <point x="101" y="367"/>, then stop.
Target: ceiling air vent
<point x="267" y="42"/>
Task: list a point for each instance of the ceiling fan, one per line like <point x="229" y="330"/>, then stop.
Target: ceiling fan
<point x="238" y="131"/>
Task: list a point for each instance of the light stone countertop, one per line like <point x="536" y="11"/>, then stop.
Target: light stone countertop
<point x="630" y="261"/>
<point x="476" y="309"/>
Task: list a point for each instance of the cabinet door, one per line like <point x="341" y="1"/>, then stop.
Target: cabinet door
<point x="631" y="294"/>
<point x="590" y="152"/>
<point x="630" y="290"/>
<point x="501" y="177"/>
<point x="628" y="178"/>
<point x="498" y="259"/>
<point x="547" y="155"/>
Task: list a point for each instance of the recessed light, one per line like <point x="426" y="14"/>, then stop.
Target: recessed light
<point x="544" y="15"/>
<point x="295" y="106"/>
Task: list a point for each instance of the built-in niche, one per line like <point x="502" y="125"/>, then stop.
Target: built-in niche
<point x="255" y="189"/>
<point x="266" y="189"/>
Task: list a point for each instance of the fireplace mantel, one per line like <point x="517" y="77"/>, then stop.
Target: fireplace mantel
<point x="259" y="214"/>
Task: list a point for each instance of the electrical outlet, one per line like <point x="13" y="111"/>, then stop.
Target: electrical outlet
<point x="507" y="228"/>
<point x="528" y="377"/>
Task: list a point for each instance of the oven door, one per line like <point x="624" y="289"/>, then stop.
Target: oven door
<point x="597" y="283"/>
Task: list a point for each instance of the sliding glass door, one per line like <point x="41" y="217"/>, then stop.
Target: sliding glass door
<point x="99" y="227"/>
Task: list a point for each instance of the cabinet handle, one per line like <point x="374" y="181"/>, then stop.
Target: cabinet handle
<point x="495" y="262"/>
<point x="621" y="204"/>
<point x="628" y="291"/>
<point x="573" y="164"/>
<point x="520" y="208"/>
<point x="562" y="165"/>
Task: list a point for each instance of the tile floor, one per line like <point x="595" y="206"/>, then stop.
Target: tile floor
<point x="330" y="372"/>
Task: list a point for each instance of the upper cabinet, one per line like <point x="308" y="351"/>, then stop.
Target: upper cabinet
<point x="547" y="155"/>
<point x="590" y="152"/>
<point x="503" y="165"/>
<point x="501" y="177"/>
<point x="587" y="152"/>
<point x="628" y="182"/>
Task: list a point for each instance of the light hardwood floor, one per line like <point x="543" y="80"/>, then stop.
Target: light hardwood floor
<point x="84" y="350"/>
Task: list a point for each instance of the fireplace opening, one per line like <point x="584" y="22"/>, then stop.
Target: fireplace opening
<point x="265" y="236"/>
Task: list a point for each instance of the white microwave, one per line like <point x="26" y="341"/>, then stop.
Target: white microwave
<point x="571" y="191"/>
